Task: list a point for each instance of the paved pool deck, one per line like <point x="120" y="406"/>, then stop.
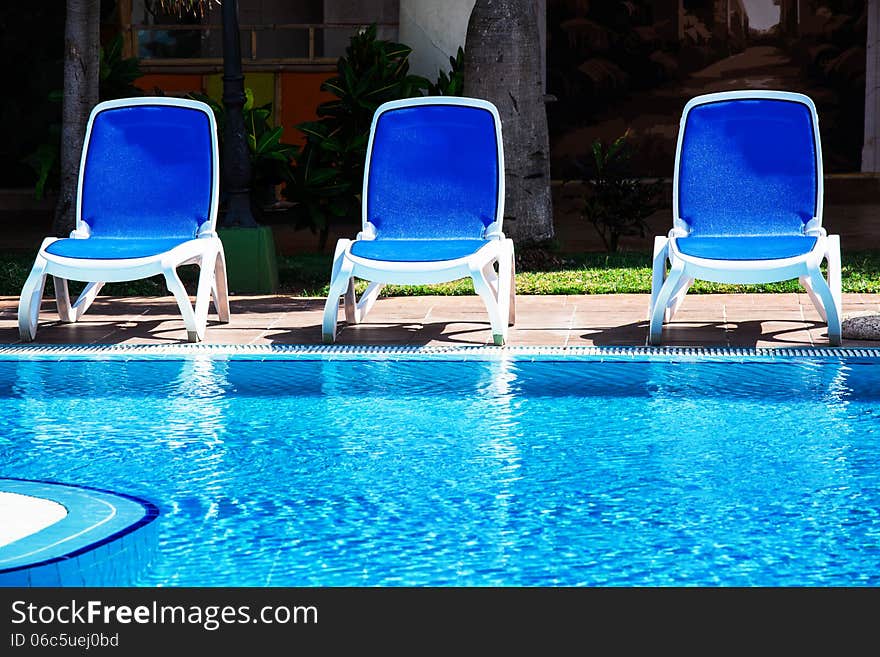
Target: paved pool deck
<point x="704" y="320"/>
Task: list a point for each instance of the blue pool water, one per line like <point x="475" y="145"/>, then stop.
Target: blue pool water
<point x="387" y="472"/>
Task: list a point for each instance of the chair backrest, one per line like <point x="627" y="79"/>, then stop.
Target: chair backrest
<point x="149" y="168"/>
<point x="434" y="169"/>
<point x="748" y="163"/>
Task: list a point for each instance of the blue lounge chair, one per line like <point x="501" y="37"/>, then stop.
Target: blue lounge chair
<point x="747" y="203"/>
<point x="432" y="208"/>
<point x="146" y="204"/>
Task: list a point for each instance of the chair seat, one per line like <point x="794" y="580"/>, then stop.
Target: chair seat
<point x="113" y="248"/>
<point x="425" y="250"/>
<point x="773" y="247"/>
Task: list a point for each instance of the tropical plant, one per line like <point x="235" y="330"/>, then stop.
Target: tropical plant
<point x="271" y="159"/>
<point x="321" y="190"/>
<point x="617" y="203"/>
<point x="452" y="83"/>
<point x="117" y="73"/>
<point x="329" y="168"/>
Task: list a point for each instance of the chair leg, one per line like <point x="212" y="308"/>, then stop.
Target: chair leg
<point x="219" y="287"/>
<point x="826" y="294"/>
<point x="207" y="269"/>
<point x="72" y="312"/>
<point x="832" y="313"/>
<point x="658" y="273"/>
<point x="367" y="300"/>
<point x="356" y="309"/>
<point x="176" y="287"/>
<point x="331" y="309"/>
<point x="491" y="276"/>
<point x="660" y="305"/>
<point x="678" y="296"/>
<point x="340" y="280"/>
<point x="62" y="300"/>
<point x="30" y="299"/>
<point x="484" y="289"/>
<point x="507" y="282"/>
<point x="834" y="272"/>
<point x="807" y="284"/>
<point x="349" y="303"/>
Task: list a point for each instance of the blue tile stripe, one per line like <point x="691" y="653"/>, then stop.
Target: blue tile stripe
<point x="95" y="518"/>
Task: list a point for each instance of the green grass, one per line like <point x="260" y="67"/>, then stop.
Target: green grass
<point x="588" y="273"/>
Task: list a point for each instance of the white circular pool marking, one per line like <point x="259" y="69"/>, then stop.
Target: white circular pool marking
<point x="23" y="515"/>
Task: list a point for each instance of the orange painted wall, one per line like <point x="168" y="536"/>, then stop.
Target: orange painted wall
<point x="171" y="83"/>
<point x="300" y="96"/>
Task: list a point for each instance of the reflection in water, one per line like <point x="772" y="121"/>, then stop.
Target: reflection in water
<point x="441" y="472"/>
<point x="403" y="444"/>
<point x="763" y="445"/>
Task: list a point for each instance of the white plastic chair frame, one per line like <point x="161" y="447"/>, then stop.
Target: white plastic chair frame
<point x="668" y="289"/>
<point x="206" y="251"/>
<point x="496" y="289"/>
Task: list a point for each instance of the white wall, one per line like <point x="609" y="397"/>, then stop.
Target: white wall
<point x="435" y="30"/>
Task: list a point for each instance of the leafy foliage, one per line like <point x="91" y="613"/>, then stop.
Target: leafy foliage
<point x="617" y="202"/>
<point x="328" y="177"/>
<point x="117" y="73"/>
<point x="116" y="79"/>
<point x="452" y="83"/>
<point x="271" y="159"/>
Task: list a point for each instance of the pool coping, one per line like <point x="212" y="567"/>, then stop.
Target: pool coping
<point x="456" y="352"/>
<point x="85" y="530"/>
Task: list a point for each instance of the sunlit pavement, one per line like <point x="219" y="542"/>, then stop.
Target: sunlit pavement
<point x="740" y="320"/>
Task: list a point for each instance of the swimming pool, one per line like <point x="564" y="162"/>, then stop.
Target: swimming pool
<point x="468" y="467"/>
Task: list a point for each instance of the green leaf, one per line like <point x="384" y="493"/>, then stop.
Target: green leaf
<point x="333" y="87"/>
<point x="42" y="160"/>
<point x="261" y="115"/>
<point x="318" y="176"/>
<point x="269" y="139"/>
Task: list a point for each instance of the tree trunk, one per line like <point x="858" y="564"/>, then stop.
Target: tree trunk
<point x="235" y="164"/>
<point x="871" y="145"/>
<point x="502" y="64"/>
<point x="81" y="79"/>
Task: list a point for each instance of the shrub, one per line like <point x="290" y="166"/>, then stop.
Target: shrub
<point x="328" y="177"/>
<point x="617" y="203"/>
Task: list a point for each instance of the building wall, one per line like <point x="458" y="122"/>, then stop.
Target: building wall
<point x="295" y="95"/>
<point x="435" y="30"/>
<point x="358" y="11"/>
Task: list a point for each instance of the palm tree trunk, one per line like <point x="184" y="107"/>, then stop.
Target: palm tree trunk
<point x="81" y="78"/>
<point x="503" y="65"/>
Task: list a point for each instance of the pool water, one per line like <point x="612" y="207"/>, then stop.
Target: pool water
<point x="497" y="472"/>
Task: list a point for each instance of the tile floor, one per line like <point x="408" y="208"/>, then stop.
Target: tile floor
<point x="741" y="320"/>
